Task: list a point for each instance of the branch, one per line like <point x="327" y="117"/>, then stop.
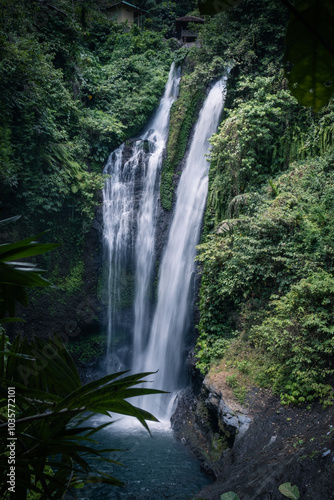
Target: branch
<point x="69" y="480"/>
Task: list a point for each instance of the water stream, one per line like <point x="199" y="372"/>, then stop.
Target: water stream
<point x="156" y="135"/>
<point x="158" y="467"/>
<point x="129" y="231"/>
<point x="165" y="349"/>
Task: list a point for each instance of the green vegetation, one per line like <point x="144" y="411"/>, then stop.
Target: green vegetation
<point x="196" y="76"/>
<point x="249" y="37"/>
<point x="74" y="85"/>
<point x="74" y="281"/>
<point x="88" y="349"/>
<point x="309" y="49"/>
<point x="168" y="169"/>
<point x="286" y="489"/>
<point x="230" y="495"/>
<point x="239" y="390"/>
<point x="161" y="14"/>
<point x="266" y="298"/>
<point x="268" y="276"/>
<point x="44" y="407"/>
<point x="258" y="139"/>
<point x="183" y="116"/>
<point x="289" y="491"/>
<point x="16" y="275"/>
<point x="51" y="409"/>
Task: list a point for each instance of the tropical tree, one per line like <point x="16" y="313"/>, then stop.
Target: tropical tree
<point x="52" y="439"/>
<point x="15" y="275"/>
<point x="45" y="433"/>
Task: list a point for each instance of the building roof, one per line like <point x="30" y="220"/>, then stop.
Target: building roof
<point x="190" y="19"/>
<point x="116" y="4"/>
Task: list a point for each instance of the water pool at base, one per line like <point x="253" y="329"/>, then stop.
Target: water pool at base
<point x="156" y="467"/>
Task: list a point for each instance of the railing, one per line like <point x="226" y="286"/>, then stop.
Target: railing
<point x="189" y="33"/>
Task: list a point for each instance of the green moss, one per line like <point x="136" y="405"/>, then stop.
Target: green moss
<point x="73" y="282"/>
<point x="183" y="116"/>
<point x="196" y="78"/>
<point x="218" y="445"/>
<point x="88" y="349"/>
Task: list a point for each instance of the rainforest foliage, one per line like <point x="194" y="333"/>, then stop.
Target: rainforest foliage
<point x="74" y="85"/>
<point x="43" y="402"/>
<point x="266" y="256"/>
<point x="55" y="452"/>
<point x="309" y="49"/>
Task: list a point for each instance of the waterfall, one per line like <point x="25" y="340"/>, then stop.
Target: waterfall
<point x="118" y="214"/>
<point x="164" y="351"/>
<point x="130" y="215"/>
<point x="129" y="231"/>
<point x="157" y="134"/>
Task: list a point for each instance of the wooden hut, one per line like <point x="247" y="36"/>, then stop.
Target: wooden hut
<point x="125" y="11"/>
<point x="183" y="33"/>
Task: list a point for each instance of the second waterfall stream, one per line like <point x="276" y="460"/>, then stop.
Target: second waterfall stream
<point x="158" y="330"/>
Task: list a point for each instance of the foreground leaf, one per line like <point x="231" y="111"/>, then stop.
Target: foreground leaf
<point x="15" y="275"/>
<point x="230" y="495"/>
<point x="52" y="411"/>
<point x="310" y="52"/>
<point x="289" y="491"/>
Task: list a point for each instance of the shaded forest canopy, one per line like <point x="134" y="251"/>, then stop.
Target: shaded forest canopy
<point x="74" y="85"/>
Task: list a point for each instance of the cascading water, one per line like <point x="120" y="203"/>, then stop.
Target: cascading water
<point x="156" y="134"/>
<point x="117" y="235"/>
<point x="164" y="351"/>
<point x="129" y="229"/>
<point x="156" y="468"/>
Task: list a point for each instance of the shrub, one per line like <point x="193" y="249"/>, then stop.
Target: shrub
<point x="298" y="336"/>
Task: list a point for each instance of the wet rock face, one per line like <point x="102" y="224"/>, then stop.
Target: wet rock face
<point x="272" y="445"/>
<point x="233" y="424"/>
<point x="55" y="311"/>
<point x="207" y="425"/>
<point x="192" y="426"/>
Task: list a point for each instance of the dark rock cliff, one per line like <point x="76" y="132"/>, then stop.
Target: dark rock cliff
<point x="253" y="450"/>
